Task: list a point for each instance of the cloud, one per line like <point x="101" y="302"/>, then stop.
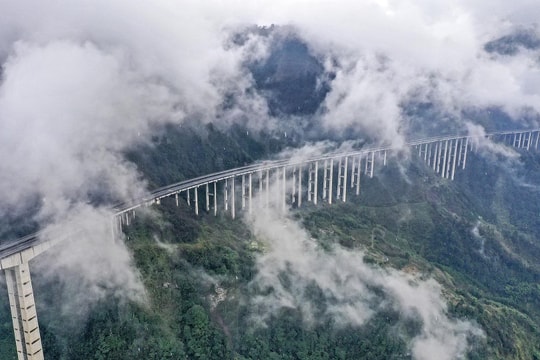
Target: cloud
<point x="387" y="54"/>
<point x="351" y="289"/>
<point x="89" y="263"/>
<point x="488" y="148"/>
<point x="83" y="81"/>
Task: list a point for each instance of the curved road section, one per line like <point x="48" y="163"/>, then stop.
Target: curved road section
<point x="525" y="139"/>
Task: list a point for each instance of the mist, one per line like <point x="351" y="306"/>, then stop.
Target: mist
<point x="82" y="82"/>
<point x="353" y="291"/>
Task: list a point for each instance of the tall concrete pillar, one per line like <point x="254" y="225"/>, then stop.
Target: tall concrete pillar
<point x="454" y="159"/>
<point x="341" y="190"/>
<point x="449" y="160"/>
<point x="345" y="180"/>
<point x="439" y="152"/>
<point x="315" y="182"/>
<point x="460" y="149"/>
<point x="325" y="179"/>
<point x="284" y="190"/>
<point x="358" y="171"/>
<point x="445" y="154"/>
<point x="188" y="199"/>
<point x="435" y="156"/>
<point x="233" y="202"/>
<point x="250" y="192"/>
<point x="176" y="199"/>
<point x="293" y="187"/>
<point x="196" y="196"/>
<point x="339" y="179"/>
<point x="226" y="195"/>
<point x="310" y="181"/>
<point x="353" y="169"/>
<point x="299" y="185"/>
<point x="537" y="138"/>
<point x="366" y="171"/>
<point x="330" y="181"/>
<point x="207" y="198"/>
<point x="23" y="313"/>
<point x="371" y="161"/>
<point x="267" y="188"/>
<point x="243" y="191"/>
<point x="215" y="198"/>
<point x="260" y="182"/>
<point x="465" y="152"/>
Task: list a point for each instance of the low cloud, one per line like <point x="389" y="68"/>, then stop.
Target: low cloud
<point x="90" y="263"/>
<point x="82" y="82"/>
<point x="487" y="147"/>
<point x="351" y="289"/>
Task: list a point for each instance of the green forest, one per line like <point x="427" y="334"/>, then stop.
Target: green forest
<point x="199" y="276"/>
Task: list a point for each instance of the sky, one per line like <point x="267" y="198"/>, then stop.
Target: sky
<point x="82" y="81"/>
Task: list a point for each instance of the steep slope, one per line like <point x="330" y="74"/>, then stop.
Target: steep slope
<point x="476" y="236"/>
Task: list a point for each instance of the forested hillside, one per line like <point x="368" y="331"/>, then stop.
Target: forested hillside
<point x="415" y="267"/>
<point x="476" y="236"/>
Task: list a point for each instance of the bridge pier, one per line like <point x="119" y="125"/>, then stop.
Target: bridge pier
<point x="370" y="163"/>
<point x="196" y="196"/>
<point x="310" y="181"/>
<point x="454" y="158"/>
<point x="243" y="191"/>
<point x="313" y="181"/>
<point x="207" y="196"/>
<point x="445" y="155"/>
<point x="261" y="180"/>
<point x="215" y="198"/>
<point x="267" y="188"/>
<point x="330" y="181"/>
<point x="233" y="207"/>
<point x="293" y="187"/>
<point x="358" y="172"/>
<point x="342" y="179"/>
<point x="299" y="185"/>
<point x="284" y="190"/>
<point x="226" y="195"/>
<point x="435" y="156"/>
<point x="325" y="180"/>
<point x="465" y="152"/>
<point x="250" y="192"/>
<point x="23" y="312"/>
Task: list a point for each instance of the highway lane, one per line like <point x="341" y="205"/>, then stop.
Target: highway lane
<point x="172" y="189"/>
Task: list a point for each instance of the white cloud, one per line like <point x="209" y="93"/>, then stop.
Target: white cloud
<point x="347" y="284"/>
<point x="83" y="80"/>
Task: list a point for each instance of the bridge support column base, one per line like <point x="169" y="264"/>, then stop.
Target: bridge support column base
<point x="23" y="313"/>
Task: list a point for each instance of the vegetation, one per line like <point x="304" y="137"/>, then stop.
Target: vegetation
<point x="477" y="236"/>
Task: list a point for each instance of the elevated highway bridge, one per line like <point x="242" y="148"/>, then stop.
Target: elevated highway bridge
<point x="328" y="177"/>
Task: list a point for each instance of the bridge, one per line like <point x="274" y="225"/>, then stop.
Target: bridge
<point x="329" y="177"/>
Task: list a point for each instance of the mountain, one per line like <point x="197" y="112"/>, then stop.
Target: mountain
<point x="221" y="289"/>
